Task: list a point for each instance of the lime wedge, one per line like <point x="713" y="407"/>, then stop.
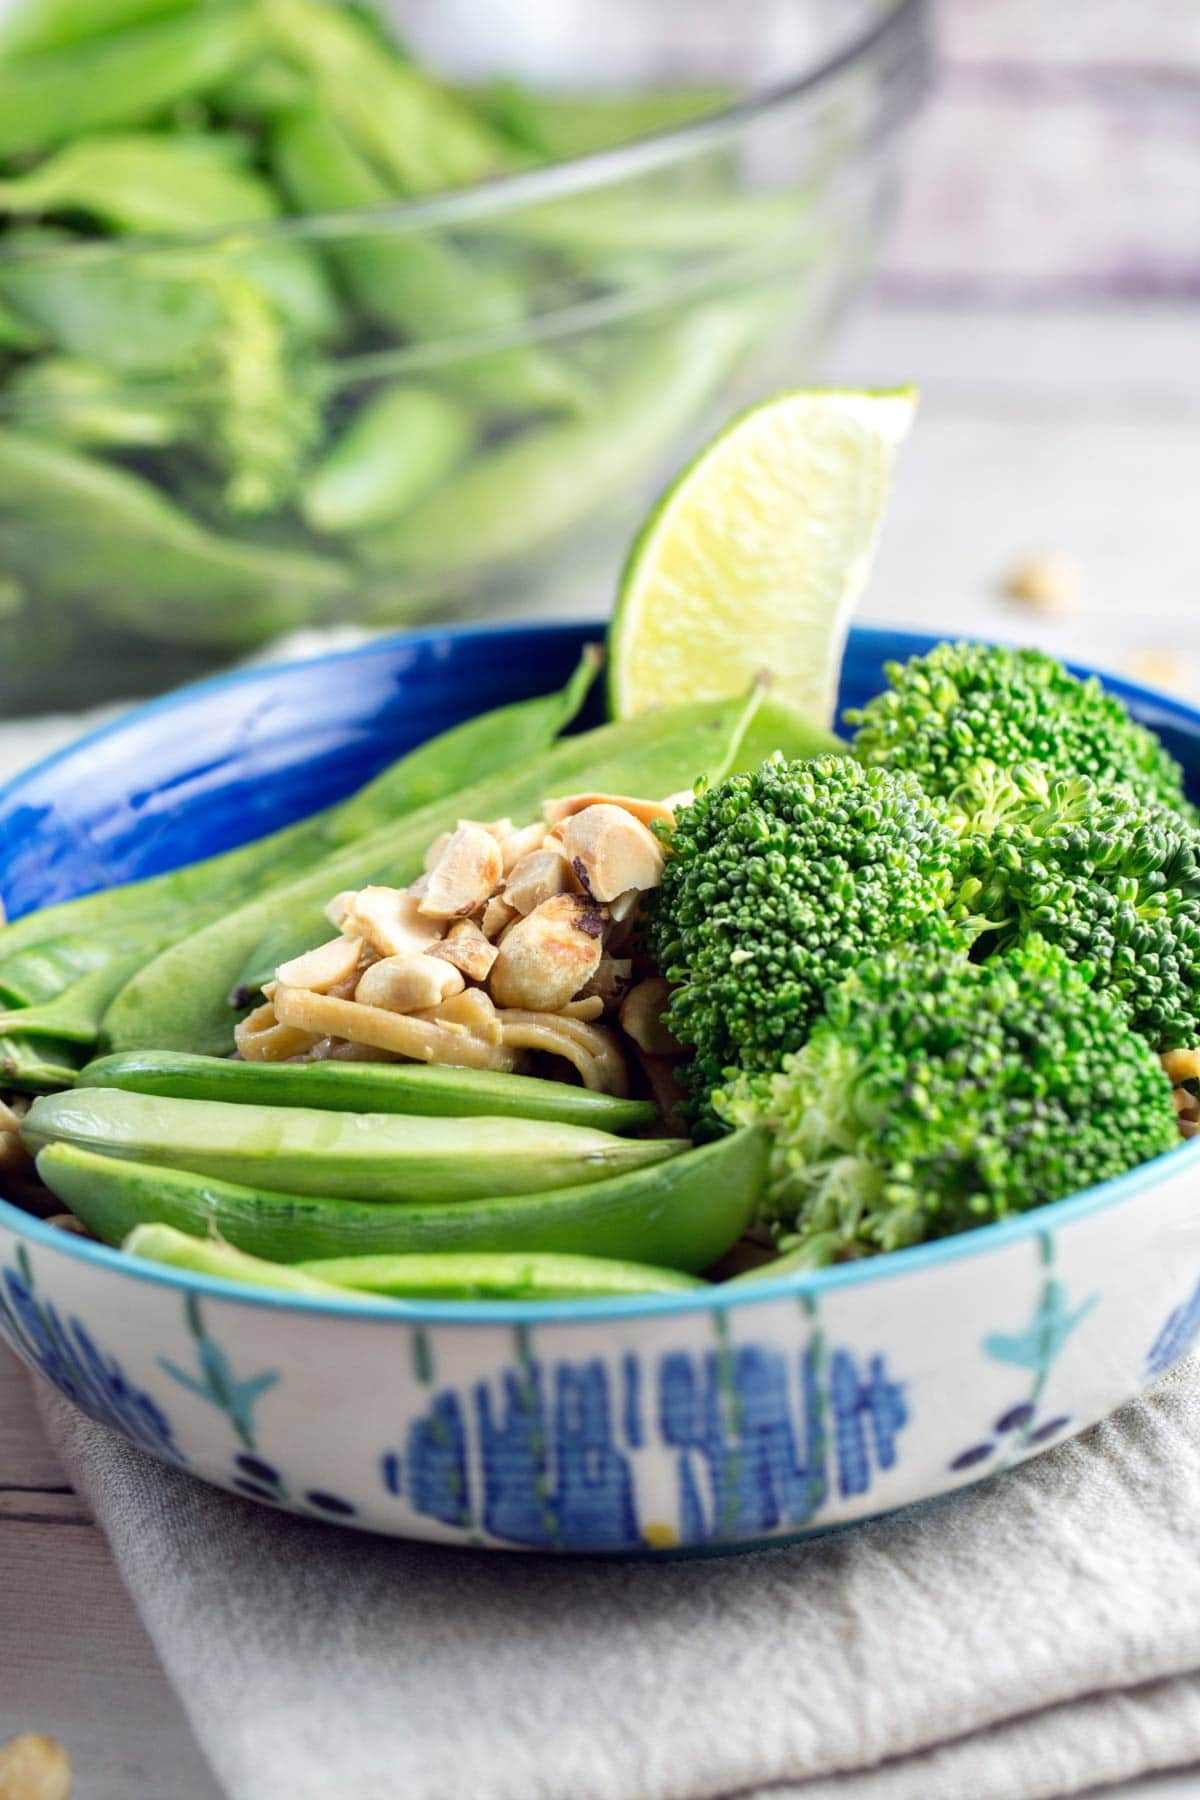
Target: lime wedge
<point x="753" y="560"/>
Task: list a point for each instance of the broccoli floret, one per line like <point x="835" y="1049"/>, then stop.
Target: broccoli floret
<point x="937" y="1094"/>
<point x="1113" y="879"/>
<point x="777" y="883"/>
<point x="966" y="703"/>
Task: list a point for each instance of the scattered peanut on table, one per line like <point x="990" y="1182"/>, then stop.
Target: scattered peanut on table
<point x="33" y="1767"/>
<point x="515" y="940"/>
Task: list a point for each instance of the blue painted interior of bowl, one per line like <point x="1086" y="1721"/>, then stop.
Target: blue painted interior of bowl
<point x="229" y="759"/>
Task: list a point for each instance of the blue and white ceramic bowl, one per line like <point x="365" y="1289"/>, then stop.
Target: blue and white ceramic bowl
<point x="615" y="1425"/>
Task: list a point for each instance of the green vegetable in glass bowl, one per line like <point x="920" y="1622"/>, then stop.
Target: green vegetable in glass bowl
<point x="277" y="301"/>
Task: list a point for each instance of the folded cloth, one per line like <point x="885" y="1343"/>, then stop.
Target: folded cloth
<point x="1036" y="1635"/>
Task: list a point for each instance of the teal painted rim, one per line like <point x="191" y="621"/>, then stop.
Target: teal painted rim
<point x="724" y="1298"/>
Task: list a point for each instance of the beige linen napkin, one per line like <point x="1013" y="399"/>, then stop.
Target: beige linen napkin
<point x="1034" y="1636"/>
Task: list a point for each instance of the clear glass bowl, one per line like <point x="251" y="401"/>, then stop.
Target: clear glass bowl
<point x="547" y="346"/>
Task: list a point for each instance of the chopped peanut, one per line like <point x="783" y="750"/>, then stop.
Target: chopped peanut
<point x="405" y="984"/>
<point x="388" y="920"/>
<point x="611" y="851"/>
<point x="498" y="915"/>
<point x="514" y="844"/>
<point x="624" y="906"/>
<point x="339" y="906"/>
<point x="34" y="1768"/>
<point x="435" y="852"/>
<point x="546" y="958"/>
<point x="323" y="968"/>
<point x="466" y="873"/>
<point x="611" y="982"/>
<point x="641" y="1018"/>
<point x="537" y="877"/>
<point x="468" y="949"/>
<point x="650" y="812"/>
<point x="1181" y="1065"/>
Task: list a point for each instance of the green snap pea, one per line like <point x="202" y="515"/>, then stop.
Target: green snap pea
<point x="122" y="78"/>
<point x="528" y="490"/>
<point x="143" y="182"/>
<point x="419" y="283"/>
<point x="37" y="1065"/>
<point x="202" y="1256"/>
<point x="17" y="333"/>
<point x="402" y="444"/>
<point x="497" y="1275"/>
<point x="558" y="127"/>
<point x="474" y="1277"/>
<point x="421" y="136"/>
<point x="85" y="530"/>
<point x="428" y="1090"/>
<point x="80" y="403"/>
<point x="684" y="1213"/>
<point x="30" y="26"/>
<point x="262" y="89"/>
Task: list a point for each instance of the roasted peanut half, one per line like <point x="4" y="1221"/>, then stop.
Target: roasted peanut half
<point x="537" y="877"/>
<point x="406" y="984"/>
<point x="650" y="812"/>
<point x="389" y="920"/>
<point x="611" y="851"/>
<point x="468" y="870"/>
<point x="546" y="958"/>
<point x="34" y="1768"/>
<point x="497" y="916"/>
<point x="323" y="968"/>
<point x="468" y="949"/>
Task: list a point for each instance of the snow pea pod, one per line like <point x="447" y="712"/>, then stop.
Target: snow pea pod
<point x="477" y="1277"/>
<point x="427" y="1090"/>
<point x="530" y="489"/>
<point x="67" y="398"/>
<point x="143" y="182"/>
<point x="82" y="529"/>
<point x="202" y="1256"/>
<point x="558" y="127"/>
<point x="121" y="78"/>
<point x="402" y="443"/>
<point x="37" y="1065"/>
<point x="29" y="26"/>
<point x="680" y="1214"/>
<point x="419" y="134"/>
<point x="415" y="282"/>
<point x="496" y="1275"/>
<point x="262" y="89"/>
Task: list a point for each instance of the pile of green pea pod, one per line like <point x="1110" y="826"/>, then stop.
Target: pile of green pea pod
<point x="222" y="417"/>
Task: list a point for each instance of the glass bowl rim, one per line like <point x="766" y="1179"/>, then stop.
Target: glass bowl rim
<point x="901" y="24"/>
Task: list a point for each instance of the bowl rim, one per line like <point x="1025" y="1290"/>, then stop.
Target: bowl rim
<point x="801" y="1285"/>
<point x="903" y="21"/>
